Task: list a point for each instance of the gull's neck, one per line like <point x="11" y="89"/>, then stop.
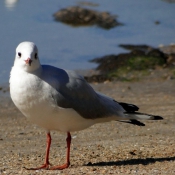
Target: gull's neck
<point x="37" y="72"/>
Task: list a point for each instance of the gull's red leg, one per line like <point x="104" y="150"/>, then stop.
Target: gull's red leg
<point x="66" y="165"/>
<point x="46" y="162"/>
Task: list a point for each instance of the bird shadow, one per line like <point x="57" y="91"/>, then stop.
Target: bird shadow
<point x="132" y="162"/>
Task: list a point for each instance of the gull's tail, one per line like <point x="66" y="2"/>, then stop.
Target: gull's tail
<point x="133" y="116"/>
<point x="142" y="116"/>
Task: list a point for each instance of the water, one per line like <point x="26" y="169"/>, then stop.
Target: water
<point x="71" y="48"/>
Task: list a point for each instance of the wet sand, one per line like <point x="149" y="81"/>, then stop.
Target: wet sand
<point x="109" y="148"/>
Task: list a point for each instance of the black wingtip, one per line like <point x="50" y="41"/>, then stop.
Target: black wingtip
<point x="158" y="118"/>
<point x="134" y="122"/>
<point x="129" y="107"/>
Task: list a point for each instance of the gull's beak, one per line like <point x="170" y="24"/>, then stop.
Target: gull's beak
<point x="28" y="61"/>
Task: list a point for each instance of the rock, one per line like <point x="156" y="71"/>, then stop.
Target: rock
<point x="169" y="49"/>
<point x="78" y="16"/>
<point x="146" y="55"/>
<point x="124" y="66"/>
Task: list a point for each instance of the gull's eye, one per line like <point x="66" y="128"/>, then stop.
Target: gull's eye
<point x="36" y="55"/>
<point x="19" y="54"/>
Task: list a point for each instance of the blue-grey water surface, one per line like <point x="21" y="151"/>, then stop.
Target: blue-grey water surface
<point x="71" y="47"/>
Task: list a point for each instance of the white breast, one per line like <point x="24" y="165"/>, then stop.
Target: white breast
<point x="30" y="96"/>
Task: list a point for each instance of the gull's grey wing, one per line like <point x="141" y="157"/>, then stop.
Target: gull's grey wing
<point x="74" y="92"/>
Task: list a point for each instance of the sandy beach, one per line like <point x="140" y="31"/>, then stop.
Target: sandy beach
<point x="108" y="148"/>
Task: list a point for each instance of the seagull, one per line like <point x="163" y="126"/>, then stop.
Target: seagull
<point x="61" y="100"/>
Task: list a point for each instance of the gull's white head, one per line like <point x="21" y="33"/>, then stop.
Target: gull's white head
<point x="27" y="57"/>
